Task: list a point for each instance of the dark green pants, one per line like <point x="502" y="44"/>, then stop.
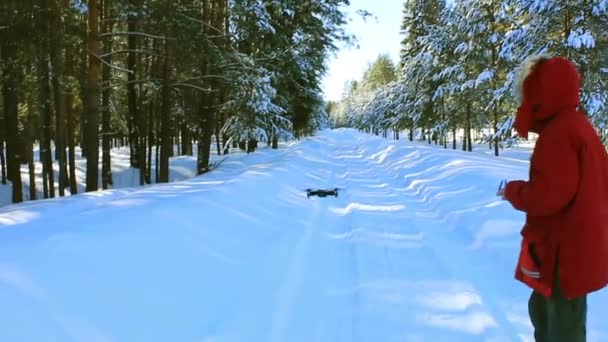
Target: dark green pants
<point x="558" y="319"/>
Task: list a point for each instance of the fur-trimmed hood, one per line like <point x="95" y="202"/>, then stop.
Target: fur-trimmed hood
<point x="545" y="87"/>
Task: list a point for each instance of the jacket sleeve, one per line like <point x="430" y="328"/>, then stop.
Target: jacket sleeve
<point x="553" y="182"/>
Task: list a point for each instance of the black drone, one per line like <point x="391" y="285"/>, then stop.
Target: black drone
<point x="322" y="192"/>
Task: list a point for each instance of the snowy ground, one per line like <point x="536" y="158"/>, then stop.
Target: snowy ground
<point x="415" y="248"/>
<point x="123" y="175"/>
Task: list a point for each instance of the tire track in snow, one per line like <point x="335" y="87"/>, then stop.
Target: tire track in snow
<point x="295" y="272"/>
<point x="443" y="245"/>
<point x="302" y="287"/>
<point x="353" y="270"/>
<point x="378" y="260"/>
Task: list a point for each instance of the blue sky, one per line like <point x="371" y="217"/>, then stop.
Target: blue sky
<point x="375" y="37"/>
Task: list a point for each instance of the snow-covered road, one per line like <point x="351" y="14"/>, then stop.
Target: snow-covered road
<point x="416" y="247"/>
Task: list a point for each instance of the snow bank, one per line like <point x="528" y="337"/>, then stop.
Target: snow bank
<point x="123" y="175"/>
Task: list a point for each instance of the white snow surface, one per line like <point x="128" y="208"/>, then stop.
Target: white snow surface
<point x="416" y="247"/>
<point x="123" y="175"/>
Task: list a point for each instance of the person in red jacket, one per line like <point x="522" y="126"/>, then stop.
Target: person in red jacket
<point x="564" y="250"/>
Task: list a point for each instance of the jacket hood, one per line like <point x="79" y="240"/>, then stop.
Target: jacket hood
<point x="546" y="87"/>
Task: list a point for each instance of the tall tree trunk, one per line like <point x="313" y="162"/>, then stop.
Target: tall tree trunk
<point x="464" y="140"/>
<point x="141" y="120"/>
<point x="218" y="143"/>
<point x="275" y="142"/>
<point x="2" y="137"/>
<point x="60" y="153"/>
<point x="178" y="139"/>
<point x="469" y="128"/>
<point x="495" y="86"/>
<point x="11" y="112"/>
<point x="71" y="124"/>
<point x="57" y="62"/>
<point x="453" y="138"/>
<point x="142" y="138"/>
<point x="186" y="138"/>
<point x="46" y="157"/>
<point x="165" y="126"/>
<point x="133" y="116"/>
<point x="206" y="125"/>
<point x="157" y="157"/>
<point x="92" y="117"/>
<point x="106" y="135"/>
<point x="496" y="137"/>
<point x="2" y="159"/>
<point x="144" y="174"/>
<point x="151" y="142"/>
<point x="81" y="140"/>
<point x="206" y="130"/>
<point x="70" y="132"/>
<point x="31" y="138"/>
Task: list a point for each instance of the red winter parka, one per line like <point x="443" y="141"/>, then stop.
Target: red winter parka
<point x="566" y="196"/>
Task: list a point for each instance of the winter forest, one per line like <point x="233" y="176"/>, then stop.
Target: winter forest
<point x="200" y="77"/>
<point x="455" y="80"/>
<point x="153" y="75"/>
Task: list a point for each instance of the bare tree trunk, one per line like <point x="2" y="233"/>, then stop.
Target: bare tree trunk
<point x="92" y="117"/>
<point x="464" y="140"/>
<point x="45" y="114"/>
<point x="469" y="128"/>
<point x="496" y="138"/>
<point x="141" y="120"/>
<point x="151" y="142"/>
<point x="165" y="126"/>
<point x="275" y="142"/>
<point x="177" y="143"/>
<point x="206" y="125"/>
<point x="204" y="144"/>
<point x="2" y="137"/>
<point x="106" y="137"/>
<point x="133" y="112"/>
<point x="217" y="137"/>
<point x="11" y="112"/>
<point x="186" y="139"/>
<point x="31" y="138"/>
<point x="2" y="159"/>
<point x="71" y="136"/>
<point x="81" y="140"/>
<point x="157" y="159"/>
<point x="69" y="107"/>
<point x="57" y="61"/>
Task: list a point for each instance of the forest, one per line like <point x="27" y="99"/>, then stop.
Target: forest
<point x="161" y="77"/>
<point x="459" y="60"/>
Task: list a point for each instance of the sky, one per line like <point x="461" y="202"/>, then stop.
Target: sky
<point x="376" y="35"/>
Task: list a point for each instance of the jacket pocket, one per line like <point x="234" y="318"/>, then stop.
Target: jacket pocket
<point x="529" y="263"/>
<point x="532" y="250"/>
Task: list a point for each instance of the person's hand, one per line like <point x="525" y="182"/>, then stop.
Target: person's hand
<point x="501" y="190"/>
<point x="501" y="193"/>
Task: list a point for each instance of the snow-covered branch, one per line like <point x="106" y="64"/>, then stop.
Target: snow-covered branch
<point x="141" y="34"/>
<point x="108" y="64"/>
